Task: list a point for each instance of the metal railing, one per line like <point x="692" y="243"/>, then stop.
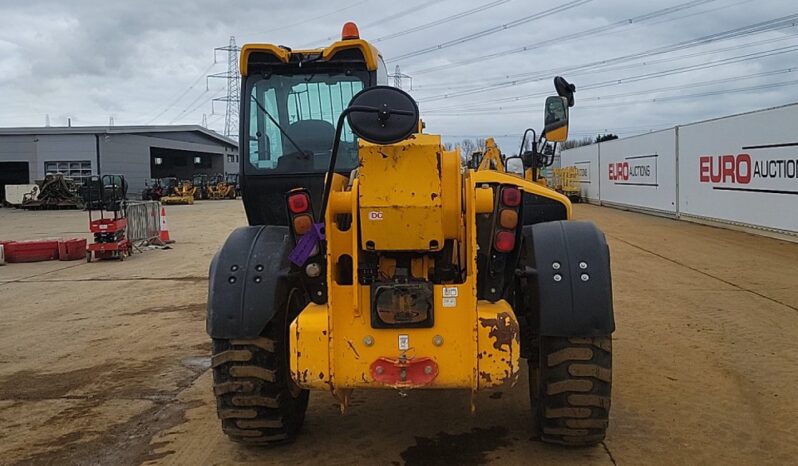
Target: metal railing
<point x="143" y="220"/>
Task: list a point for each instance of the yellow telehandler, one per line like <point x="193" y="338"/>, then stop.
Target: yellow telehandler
<point x="374" y="261"/>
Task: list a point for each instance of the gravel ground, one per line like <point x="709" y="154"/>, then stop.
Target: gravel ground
<point x="107" y="363"/>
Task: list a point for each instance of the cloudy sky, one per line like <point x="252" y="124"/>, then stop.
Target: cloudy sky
<point x="478" y="68"/>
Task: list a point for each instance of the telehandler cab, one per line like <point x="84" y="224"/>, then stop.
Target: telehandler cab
<point x="373" y="260"/>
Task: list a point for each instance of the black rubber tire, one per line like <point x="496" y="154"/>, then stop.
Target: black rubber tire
<point x="570" y="389"/>
<point x="256" y="399"/>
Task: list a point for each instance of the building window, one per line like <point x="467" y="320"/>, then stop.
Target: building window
<point x="231" y="158"/>
<point x="202" y="161"/>
<point x="78" y="170"/>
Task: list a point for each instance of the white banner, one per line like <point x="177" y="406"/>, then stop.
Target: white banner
<point x="586" y="160"/>
<point x="640" y="171"/>
<point x="742" y="169"/>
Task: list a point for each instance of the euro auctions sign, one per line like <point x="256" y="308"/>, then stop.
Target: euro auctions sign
<point x="639" y="170"/>
<point x="758" y="169"/>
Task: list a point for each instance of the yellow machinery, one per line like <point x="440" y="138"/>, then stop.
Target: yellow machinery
<point x="183" y="194"/>
<point x="219" y="188"/>
<point x="565" y="181"/>
<point x="389" y="266"/>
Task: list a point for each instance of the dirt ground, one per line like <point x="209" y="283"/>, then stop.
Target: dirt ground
<point x="107" y="363"/>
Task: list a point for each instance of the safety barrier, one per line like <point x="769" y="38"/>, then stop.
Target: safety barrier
<point x="143" y="220"/>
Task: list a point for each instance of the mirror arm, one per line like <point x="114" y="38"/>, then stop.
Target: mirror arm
<point x="523" y="140"/>
<point x="339" y="127"/>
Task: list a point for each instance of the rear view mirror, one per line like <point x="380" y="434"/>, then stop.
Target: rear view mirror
<point x="556" y="119"/>
<point x="565" y="89"/>
<point x="380" y="115"/>
<point x="383" y="115"/>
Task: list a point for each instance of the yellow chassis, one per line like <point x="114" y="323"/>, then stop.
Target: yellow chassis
<point x="473" y="344"/>
<point x="177" y="200"/>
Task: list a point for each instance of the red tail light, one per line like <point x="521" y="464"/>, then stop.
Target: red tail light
<point x="511" y="197"/>
<point x="298" y="203"/>
<point x="504" y="241"/>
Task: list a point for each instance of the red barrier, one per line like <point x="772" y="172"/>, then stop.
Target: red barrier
<point x="31" y="251"/>
<point x="44" y="250"/>
<point x="72" y="249"/>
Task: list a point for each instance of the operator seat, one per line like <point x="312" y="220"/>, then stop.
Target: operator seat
<point x="312" y="135"/>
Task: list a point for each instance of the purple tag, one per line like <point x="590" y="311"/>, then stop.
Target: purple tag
<point x="306" y="244"/>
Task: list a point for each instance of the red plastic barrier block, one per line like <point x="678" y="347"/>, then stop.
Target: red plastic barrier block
<point x="72" y="249"/>
<point x="31" y="251"/>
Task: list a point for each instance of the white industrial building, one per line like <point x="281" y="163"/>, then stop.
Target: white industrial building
<point x="138" y="152"/>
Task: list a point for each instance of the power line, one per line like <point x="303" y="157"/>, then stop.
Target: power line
<point x="604" y="69"/>
<point x="438" y="22"/>
<point x="623" y="67"/>
<point x="604" y="65"/>
<point x="177" y="99"/>
<point x="649" y="101"/>
<point x="314" y="18"/>
<point x="770" y="25"/>
<point x="492" y="30"/>
<point x="577" y="35"/>
<point x="189" y="106"/>
<point x="412" y="10"/>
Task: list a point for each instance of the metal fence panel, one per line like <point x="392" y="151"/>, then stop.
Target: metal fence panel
<point x="143" y="220"/>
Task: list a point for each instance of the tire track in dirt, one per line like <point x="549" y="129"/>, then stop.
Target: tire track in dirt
<point x="707" y="274"/>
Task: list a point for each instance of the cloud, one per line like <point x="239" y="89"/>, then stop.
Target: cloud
<point x="91" y="59"/>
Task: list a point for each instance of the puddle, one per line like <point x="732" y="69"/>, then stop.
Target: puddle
<point x="447" y="449"/>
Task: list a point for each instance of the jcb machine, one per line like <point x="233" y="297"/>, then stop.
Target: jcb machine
<point x="220" y="188"/>
<point x="183" y="192"/>
<point x="374" y="261"/>
<point x="201" y="183"/>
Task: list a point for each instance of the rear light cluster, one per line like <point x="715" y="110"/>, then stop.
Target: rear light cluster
<point x="507" y="219"/>
<point x="300" y="212"/>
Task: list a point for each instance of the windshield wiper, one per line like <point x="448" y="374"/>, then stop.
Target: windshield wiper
<point x="263" y="109"/>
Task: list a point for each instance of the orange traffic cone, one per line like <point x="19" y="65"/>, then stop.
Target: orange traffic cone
<point x="163" y="234"/>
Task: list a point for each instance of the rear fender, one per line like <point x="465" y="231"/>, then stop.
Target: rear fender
<point x="568" y="265"/>
<point x="248" y="281"/>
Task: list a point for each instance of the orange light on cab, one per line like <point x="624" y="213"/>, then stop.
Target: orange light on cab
<point x="350" y="31"/>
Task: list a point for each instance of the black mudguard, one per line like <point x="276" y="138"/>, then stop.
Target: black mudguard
<point x="247" y="281"/>
<point x="570" y="306"/>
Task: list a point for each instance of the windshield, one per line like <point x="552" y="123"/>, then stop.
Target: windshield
<point x="307" y="108"/>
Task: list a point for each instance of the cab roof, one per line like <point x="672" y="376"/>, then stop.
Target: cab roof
<point x="370" y="54"/>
